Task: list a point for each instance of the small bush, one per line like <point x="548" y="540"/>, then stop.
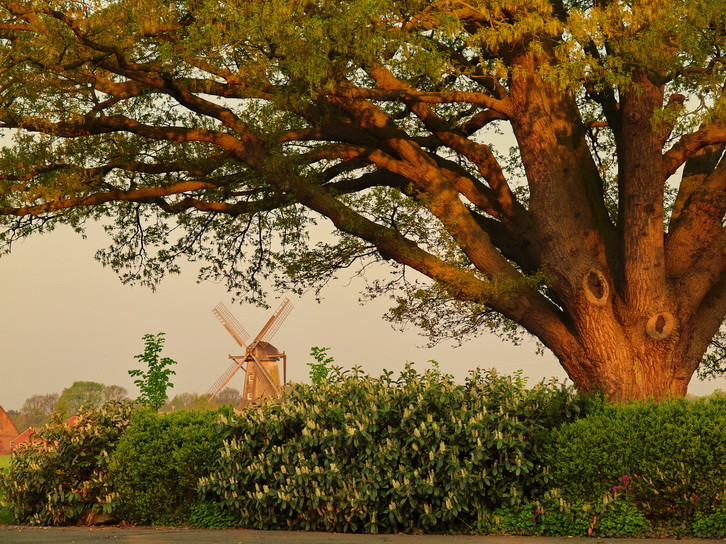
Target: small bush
<point x="362" y="454"/>
<point x="158" y="461"/>
<point x="211" y="515"/>
<point x="667" y="457"/>
<point x="608" y="517"/>
<point x="63" y="477"/>
<point x="6" y="518"/>
<point x="621" y="520"/>
<point x="710" y="525"/>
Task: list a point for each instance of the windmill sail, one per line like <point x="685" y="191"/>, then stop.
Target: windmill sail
<point x="231" y="324"/>
<point x="275" y="322"/>
<point x="224" y="378"/>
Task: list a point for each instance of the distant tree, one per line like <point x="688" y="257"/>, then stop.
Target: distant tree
<point x="36" y="410"/>
<point x="154" y="382"/>
<point x="79" y="395"/>
<point x="188" y="401"/>
<point x="115" y="392"/>
<point x="228" y="396"/>
<point x="17" y="418"/>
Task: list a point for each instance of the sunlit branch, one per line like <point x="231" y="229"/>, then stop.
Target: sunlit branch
<point x="689" y="144"/>
<point x="137" y="195"/>
<point x="442" y="97"/>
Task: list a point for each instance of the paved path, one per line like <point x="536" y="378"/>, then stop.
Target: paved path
<point x="147" y="535"/>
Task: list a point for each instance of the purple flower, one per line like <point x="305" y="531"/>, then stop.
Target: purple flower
<point x="625" y="479"/>
<point x="695" y="497"/>
<point x="615" y="489"/>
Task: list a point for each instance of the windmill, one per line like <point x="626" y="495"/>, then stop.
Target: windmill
<point x="261" y="360"/>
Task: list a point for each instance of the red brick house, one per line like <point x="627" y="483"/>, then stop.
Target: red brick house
<point x="8" y="431"/>
<point x="28" y="435"/>
<point x="22" y="438"/>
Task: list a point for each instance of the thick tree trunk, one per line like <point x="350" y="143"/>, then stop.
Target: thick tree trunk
<point x="634" y="369"/>
<point x="636" y="329"/>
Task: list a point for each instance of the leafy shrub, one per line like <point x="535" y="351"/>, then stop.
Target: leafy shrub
<point x="63" y="477"/>
<point x="6" y="518"/>
<point x="158" y="461"/>
<point x="622" y="519"/>
<point x="609" y="517"/>
<point x="210" y="515"/>
<point x="357" y="453"/>
<point x="668" y="457"/>
<point x="710" y="525"/>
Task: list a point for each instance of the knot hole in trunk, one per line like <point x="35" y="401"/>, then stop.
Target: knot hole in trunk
<point x="660" y="325"/>
<point x="596" y="287"/>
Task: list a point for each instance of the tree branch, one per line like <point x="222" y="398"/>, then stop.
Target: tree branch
<point x="689" y="144"/>
<point x="442" y="97"/>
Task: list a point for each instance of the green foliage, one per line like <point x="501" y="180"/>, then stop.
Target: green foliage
<point x="623" y="519"/>
<point x="79" y="396"/>
<point x="6" y="516"/>
<point x="154" y="382"/>
<point x="210" y="515"/>
<point x="158" y="461"/>
<point x="37" y="409"/>
<point x="63" y="477"/>
<point x="553" y="516"/>
<point x="713" y="363"/>
<point x="189" y="401"/>
<point x="320" y="370"/>
<point x="667" y="457"/>
<point x="710" y="525"/>
<point x="417" y="453"/>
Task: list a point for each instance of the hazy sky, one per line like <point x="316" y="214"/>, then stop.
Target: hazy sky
<point x="66" y="318"/>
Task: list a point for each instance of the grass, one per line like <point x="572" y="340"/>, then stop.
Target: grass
<point x="6" y="517"/>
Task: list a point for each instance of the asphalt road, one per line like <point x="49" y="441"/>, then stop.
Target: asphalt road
<point x="150" y="535"/>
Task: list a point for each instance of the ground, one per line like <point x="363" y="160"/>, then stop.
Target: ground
<point x="146" y="535"/>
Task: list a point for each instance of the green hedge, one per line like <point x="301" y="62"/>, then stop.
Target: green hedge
<point x="158" y="461"/>
<point x="609" y="517"/>
<point x="63" y="478"/>
<point x="668" y="458"/>
<point x="415" y="454"/>
<point x="5" y="516"/>
<point x="419" y="453"/>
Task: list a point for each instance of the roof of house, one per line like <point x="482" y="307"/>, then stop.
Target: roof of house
<point x="23" y="437"/>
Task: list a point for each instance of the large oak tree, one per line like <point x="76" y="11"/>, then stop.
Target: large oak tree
<point x="222" y="129"/>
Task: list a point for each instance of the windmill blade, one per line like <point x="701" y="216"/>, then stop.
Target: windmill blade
<point x="275" y="322"/>
<point x="231" y="324"/>
<point x="224" y="378"/>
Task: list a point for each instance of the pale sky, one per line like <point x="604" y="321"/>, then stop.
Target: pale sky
<point x="66" y="318"/>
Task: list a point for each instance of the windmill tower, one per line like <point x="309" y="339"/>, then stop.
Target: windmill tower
<point x="261" y="360"/>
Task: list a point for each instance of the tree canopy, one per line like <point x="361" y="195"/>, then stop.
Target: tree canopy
<point x="551" y="166"/>
<point x="80" y="394"/>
